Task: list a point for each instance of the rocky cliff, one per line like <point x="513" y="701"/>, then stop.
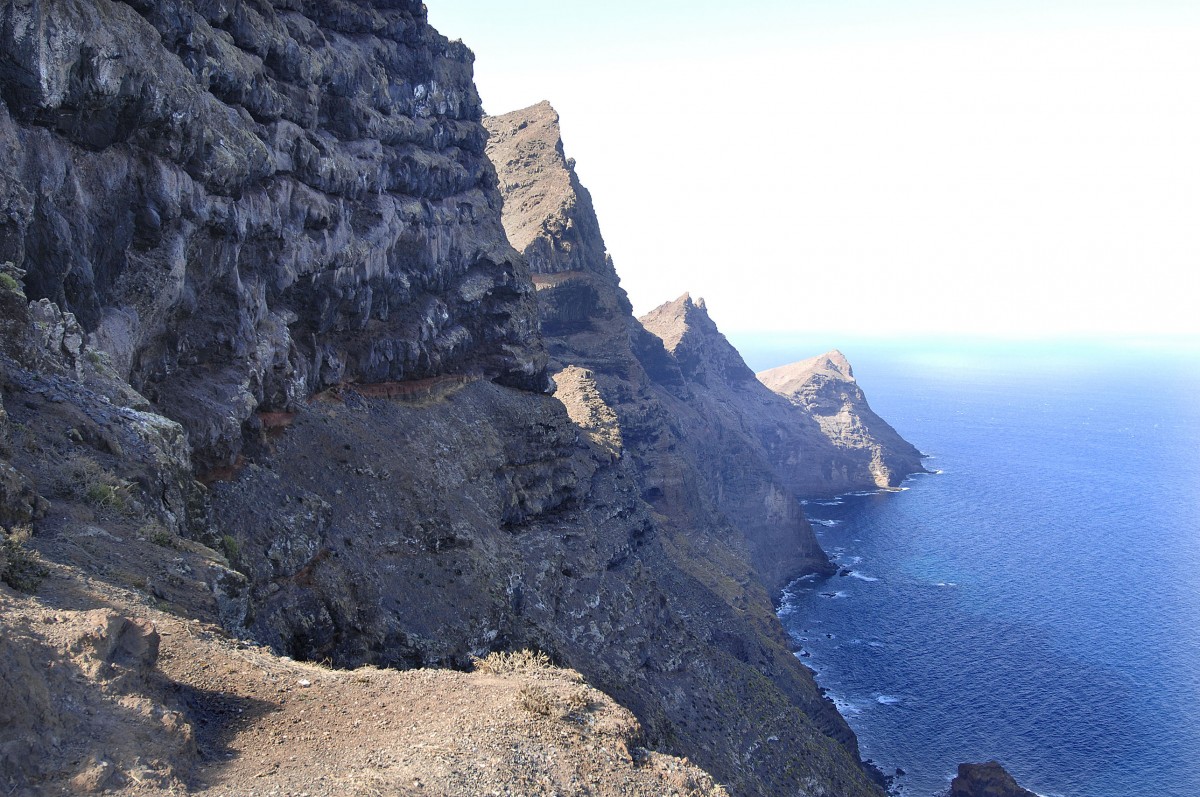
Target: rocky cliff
<point x="274" y="364"/>
<point x="245" y="203"/>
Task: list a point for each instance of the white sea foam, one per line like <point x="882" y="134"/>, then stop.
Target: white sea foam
<point x="843" y="705"/>
<point x="835" y="595"/>
<point x="887" y="700"/>
<point x="862" y="576"/>
<point x="824" y="521"/>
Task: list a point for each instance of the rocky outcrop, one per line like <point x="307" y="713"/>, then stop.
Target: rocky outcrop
<point x="986" y="780"/>
<point x="245" y="203"/>
<point x="862" y="448"/>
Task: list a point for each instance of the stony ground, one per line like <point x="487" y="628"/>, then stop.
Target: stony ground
<point x="141" y="701"/>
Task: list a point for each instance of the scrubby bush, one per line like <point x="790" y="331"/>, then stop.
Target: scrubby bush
<point x="20" y="567"/>
<point x="157" y="534"/>
<point x="82" y="478"/>
<point x="230" y="547"/>
<point x="537" y="700"/>
<point x="507" y="663"/>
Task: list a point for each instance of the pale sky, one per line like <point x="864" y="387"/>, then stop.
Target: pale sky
<point x="876" y="168"/>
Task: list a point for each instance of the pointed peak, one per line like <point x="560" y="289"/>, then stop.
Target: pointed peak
<point x="838" y="362"/>
<point x="788" y="379"/>
<point x="542" y="115"/>
<point x="686" y="303"/>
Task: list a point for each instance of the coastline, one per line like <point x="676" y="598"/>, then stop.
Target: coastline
<point x="873" y="768"/>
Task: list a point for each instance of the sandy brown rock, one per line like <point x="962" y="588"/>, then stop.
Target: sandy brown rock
<point x="89" y="705"/>
<point x="860" y="443"/>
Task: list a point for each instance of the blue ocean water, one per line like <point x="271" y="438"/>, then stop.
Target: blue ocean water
<point x="1038" y="600"/>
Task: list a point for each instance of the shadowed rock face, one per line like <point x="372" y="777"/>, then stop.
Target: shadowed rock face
<point x="810" y="418"/>
<point x="245" y="203"/>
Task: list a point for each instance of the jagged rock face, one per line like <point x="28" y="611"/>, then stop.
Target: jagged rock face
<point x="428" y="527"/>
<point x="725" y="525"/>
<point x="722" y="409"/>
<point x="244" y="203"/>
<point x="687" y="474"/>
<point x="248" y="205"/>
<point x="861" y="447"/>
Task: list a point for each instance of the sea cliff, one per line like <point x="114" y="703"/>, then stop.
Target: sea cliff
<point x="272" y="364"/>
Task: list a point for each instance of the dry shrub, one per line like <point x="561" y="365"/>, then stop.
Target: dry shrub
<point x="509" y="663"/>
<point x="82" y="478"/>
<point x="537" y="700"/>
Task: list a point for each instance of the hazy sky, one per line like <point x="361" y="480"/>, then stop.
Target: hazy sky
<point x="876" y="168"/>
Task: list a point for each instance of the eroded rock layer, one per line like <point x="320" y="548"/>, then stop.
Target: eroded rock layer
<point x="859" y="447"/>
<point x="244" y="203"/>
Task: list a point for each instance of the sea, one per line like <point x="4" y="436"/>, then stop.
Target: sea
<point x="1036" y="599"/>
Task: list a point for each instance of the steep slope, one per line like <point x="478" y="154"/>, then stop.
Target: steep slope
<point x="116" y="677"/>
<point x="723" y="516"/>
<point x="864" y="445"/>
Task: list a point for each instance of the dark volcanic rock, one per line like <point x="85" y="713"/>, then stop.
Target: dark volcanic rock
<point x="986" y="780"/>
<point x="245" y="203"/>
